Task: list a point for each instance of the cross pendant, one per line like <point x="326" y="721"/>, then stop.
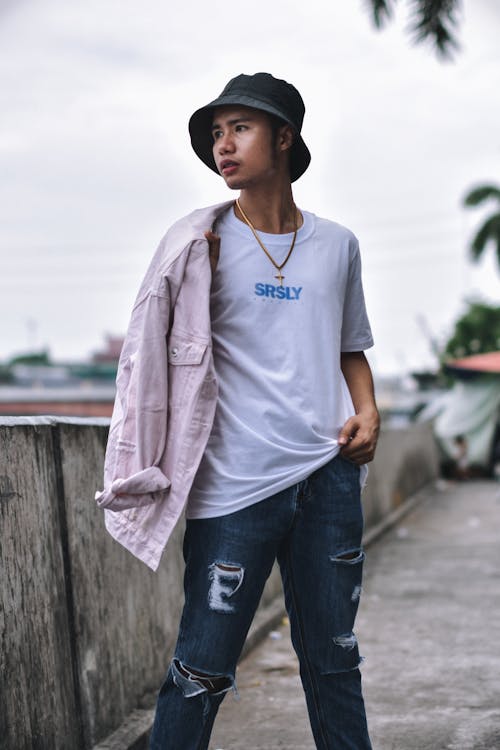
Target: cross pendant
<point x="280" y="277"/>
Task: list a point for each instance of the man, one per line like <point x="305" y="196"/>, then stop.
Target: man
<point x="276" y="473"/>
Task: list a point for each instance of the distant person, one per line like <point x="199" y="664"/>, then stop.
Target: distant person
<point x="460" y="450"/>
<point x="244" y="395"/>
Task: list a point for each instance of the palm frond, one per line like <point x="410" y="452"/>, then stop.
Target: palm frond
<point x="437" y="21"/>
<point x="480" y="194"/>
<point x="381" y="11"/>
<point x="488" y="232"/>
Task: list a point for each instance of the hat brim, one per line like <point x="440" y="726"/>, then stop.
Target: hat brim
<point x="200" y="130"/>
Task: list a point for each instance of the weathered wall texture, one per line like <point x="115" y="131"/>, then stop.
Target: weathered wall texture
<point x="37" y="697"/>
<point x="86" y="630"/>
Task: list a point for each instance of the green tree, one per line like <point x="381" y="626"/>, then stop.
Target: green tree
<point x="430" y="20"/>
<point x="32" y="358"/>
<point x="476" y="332"/>
<point x="489" y="231"/>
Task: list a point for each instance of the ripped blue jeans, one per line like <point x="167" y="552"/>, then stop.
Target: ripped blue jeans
<point x="314" y="530"/>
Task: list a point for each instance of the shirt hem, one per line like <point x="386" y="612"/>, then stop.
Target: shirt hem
<point x="267" y="493"/>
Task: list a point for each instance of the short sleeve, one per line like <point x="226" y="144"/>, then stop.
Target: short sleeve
<point x="356" y="332"/>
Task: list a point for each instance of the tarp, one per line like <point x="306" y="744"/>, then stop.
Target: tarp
<point x="470" y="409"/>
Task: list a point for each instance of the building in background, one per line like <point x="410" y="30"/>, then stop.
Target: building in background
<point x="32" y="385"/>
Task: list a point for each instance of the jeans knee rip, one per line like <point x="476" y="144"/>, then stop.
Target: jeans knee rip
<point x="194" y="682"/>
<point x="349" y="557"/>
<point x="225" y="580"/>
<point x="356" y="592"/>
<point x="345" y="655"/>
<point x="348" y="641"/>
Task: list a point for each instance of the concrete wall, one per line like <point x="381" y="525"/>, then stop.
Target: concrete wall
<point x="405" y="461"/>
<point x="86" y="630"/>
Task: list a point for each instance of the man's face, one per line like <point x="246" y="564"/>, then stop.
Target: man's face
<point x="243" y="148"/>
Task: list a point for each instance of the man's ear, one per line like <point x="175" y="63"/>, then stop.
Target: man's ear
<point x="285" y="138"/>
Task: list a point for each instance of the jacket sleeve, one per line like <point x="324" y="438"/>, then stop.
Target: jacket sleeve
<point x="137" y="436"/>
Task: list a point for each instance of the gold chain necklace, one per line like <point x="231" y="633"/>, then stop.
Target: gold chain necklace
<point x="277" y="266"/>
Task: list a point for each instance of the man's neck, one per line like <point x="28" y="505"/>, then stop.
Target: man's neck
<point x="270" y="210"/>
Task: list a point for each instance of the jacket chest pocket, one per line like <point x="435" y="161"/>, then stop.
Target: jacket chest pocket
<point x="186" y="368"/>
<point x="185" y="351"/>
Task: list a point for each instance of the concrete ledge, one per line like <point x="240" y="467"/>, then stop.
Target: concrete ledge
<point x="133" y="733"/>
<point x="51" y="420"/>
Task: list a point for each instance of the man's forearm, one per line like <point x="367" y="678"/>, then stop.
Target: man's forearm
<point x="360" y="433"/>
<point x="358" y="376"/>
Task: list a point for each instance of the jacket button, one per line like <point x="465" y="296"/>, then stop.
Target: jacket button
<point x="174" y="352"/>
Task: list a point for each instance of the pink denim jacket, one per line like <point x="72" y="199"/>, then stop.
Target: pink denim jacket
<point x="166" y="393"/>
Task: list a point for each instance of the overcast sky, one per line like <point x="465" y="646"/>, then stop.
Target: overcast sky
<point x="95" y="161"/>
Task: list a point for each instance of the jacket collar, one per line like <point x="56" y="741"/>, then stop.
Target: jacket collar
<point x="204" y="218"/>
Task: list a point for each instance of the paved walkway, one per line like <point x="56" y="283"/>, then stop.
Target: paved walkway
<point x="429" y="627"/>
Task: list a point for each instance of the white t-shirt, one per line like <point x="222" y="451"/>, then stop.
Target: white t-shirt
<point x="282" y="396"/>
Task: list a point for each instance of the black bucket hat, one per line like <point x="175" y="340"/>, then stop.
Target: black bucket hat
<point x="260" y="91"/>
